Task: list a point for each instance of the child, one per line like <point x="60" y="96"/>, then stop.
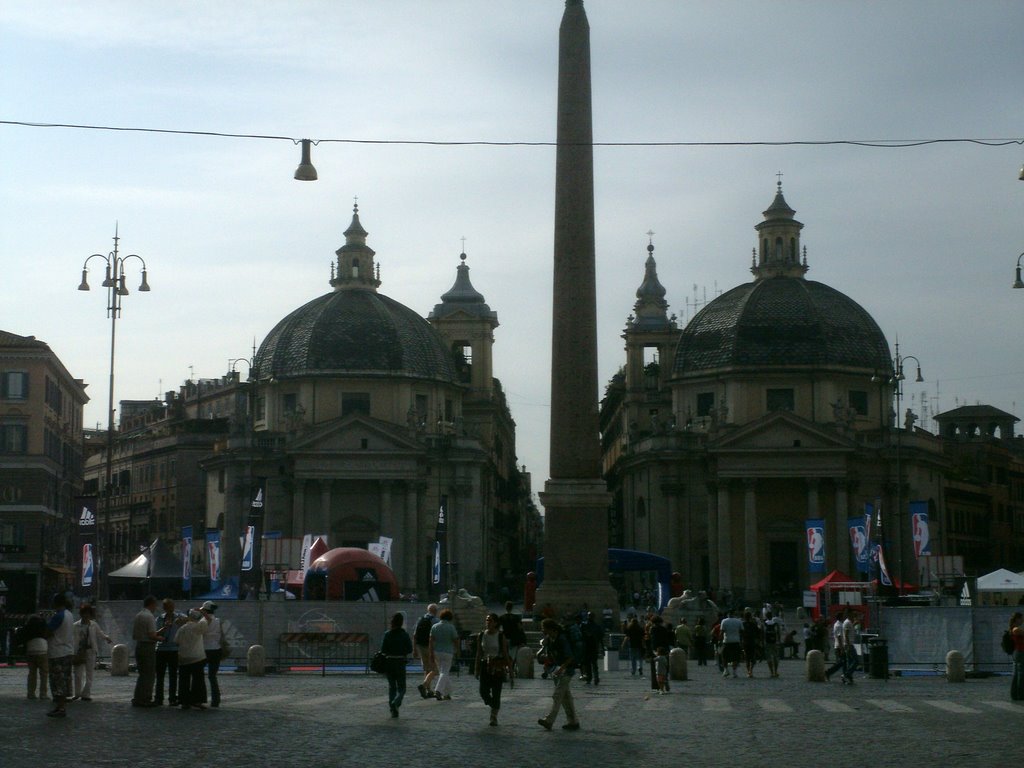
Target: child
<point x="661" y="669"/>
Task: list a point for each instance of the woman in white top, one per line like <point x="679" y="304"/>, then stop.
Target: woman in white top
<point x="211" y="643"/>
<point x="191" y="657"/>
<point x="492" y="664"/>
<point x="87" y="636"/>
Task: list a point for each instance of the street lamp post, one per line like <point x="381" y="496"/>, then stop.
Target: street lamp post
<point x="1018" y="283"/>
<point x="897" y="384"/>
<point x="114" y="282"/>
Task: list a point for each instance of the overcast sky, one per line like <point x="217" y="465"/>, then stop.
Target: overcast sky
<point x="924" y="238"/>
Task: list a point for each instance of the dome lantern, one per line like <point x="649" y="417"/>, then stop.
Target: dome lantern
<point x="778" y="249"/>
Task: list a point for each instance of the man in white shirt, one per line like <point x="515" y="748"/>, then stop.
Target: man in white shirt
<point x="848" y="637"/>
<point x="732" y="629"/>
<point x="837" y="646"/>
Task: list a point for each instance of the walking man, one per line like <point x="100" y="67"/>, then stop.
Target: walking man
<point x="562" y="670"/>
<point x="167" y="653"/>
<point x="732" y="636"/>
<point x="421" y="639"/>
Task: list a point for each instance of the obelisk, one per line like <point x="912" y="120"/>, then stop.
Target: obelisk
<point x="575" y="498"/>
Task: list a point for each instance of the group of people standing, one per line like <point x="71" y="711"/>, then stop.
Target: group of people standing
<point x="61" y="647"/>
<point x="177" y="647"/>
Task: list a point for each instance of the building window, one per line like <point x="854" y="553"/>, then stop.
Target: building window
<point x="14" y="385"/>
<point x="421" y="410"/>
<point x="779" y="399"/>
<point x="13" y="438"/>
<point x="859" y="402"/>
<point x="705" y="403"/>
<point x="355" y="402"/>
<point x="288" y="402"/>
<point x="261" y="408"/>
<point x="53" y="396"/>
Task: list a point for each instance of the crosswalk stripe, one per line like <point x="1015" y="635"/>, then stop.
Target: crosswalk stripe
<point x="330" y="699"/>
<point x="831" y="705"/>
<point x="716" y="704"/>
<point x="775" y="705"/>
<point x="951" y="706"/>
<point x="248" y="701"/>
<point x="1007" y="706"/>
<point x="889" y="706"/>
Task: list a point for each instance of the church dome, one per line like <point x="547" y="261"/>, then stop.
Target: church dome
<point x="781" y="321"/>
<point x="354" y="330"/>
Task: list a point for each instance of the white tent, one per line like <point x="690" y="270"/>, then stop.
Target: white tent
<point x="1008" y="584"/>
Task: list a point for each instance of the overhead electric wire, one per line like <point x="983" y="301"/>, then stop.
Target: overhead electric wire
<point x="871" y="143"/>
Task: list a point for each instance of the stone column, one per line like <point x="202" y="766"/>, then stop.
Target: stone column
<point x="842" y="537"/>
<point x="385" y="527"/>
<point x="411" y="543"/>
<point x="724" y="539"/>
<point x="299" y="527"/>
<point x="713" y="536"/>
<point x="750" y="540"/>
<point x="325" y="511"/>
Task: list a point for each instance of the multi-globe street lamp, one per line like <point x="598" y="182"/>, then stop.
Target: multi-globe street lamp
<point x="897" y="384"/>
<point x="114" y="282"/>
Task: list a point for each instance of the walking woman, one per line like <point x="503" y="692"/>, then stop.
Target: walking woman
<point x="750" y="633"/>
<point x="1017" y="634"/>
<point x="396" y="645"/>
<point x="492" y="664"/>
<point x="700" y="642"/>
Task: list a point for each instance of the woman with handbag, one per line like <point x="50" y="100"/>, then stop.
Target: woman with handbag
<point x="492" y="664"/>
<point x="396" y="645"/>
<point x="88" y="634"/>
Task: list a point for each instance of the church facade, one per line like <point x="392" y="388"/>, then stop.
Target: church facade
<point x="771" y="408"/>
<point x="367" y="419"/>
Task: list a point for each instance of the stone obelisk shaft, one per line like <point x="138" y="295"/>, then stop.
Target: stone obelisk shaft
<point x="575" y="497"/>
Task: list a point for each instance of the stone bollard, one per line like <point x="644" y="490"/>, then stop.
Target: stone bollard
<point x="955" y="670"/>
<point x="119" y="661"/>
<point x="815" y="667"/>
<point x="677" y="664"/>
<point x="524" y="662"/>
<point x="255" y="661"/>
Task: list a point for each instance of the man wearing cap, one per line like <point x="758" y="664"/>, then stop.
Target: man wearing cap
<point x="211" y="644"/>
<point x="145" y="635"/>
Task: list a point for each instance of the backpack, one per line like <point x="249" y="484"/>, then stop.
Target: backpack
<point x="422" y="633"/>
<point x="771" y="632"/>
<point x="1007" y="642"/>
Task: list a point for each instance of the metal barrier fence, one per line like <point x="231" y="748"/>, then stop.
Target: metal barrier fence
<point x="339" y="651"/>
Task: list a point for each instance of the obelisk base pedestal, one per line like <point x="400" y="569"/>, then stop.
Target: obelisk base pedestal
<point x="575" y="550"/>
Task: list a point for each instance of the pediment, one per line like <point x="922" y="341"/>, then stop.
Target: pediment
<point x="781" y="431"/>
<point x="355" y="433"/>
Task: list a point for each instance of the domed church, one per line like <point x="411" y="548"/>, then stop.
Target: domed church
<point x="772" y="407"/>
<point x="366" y="419"/>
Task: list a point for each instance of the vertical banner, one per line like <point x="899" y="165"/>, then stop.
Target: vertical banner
<point x="385" y="543"/>
<point x="213" y="557"/>
<point x="186" y="559"/>
<point x="253" y="538"/>
<point x="440" y="534"/>
<point x="859" y="542"/>
<point x="86" y="506"/>
<point x="878" y="559"/>
<point x="869" y="513"/>
<point x="919" y="528"/>
<point x="815" y="545"/>
<point x="307" y="542"/>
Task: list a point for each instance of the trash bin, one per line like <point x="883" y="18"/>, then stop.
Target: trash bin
<point x="878" y="658"/>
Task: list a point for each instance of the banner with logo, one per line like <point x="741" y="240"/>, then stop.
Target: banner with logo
<point x="86" y="507"/>
<point x="213" y="557"/>
<point x="815" y="545"/>
<point x="859" y="542"/>
<point x="440" y="534"/>
<point x="878" y="561"/>
<point x="186" y="558"/>
<point x="919" y="528"/>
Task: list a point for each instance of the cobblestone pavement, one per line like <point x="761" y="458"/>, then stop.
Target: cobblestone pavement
<point x="308" y="720"/>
